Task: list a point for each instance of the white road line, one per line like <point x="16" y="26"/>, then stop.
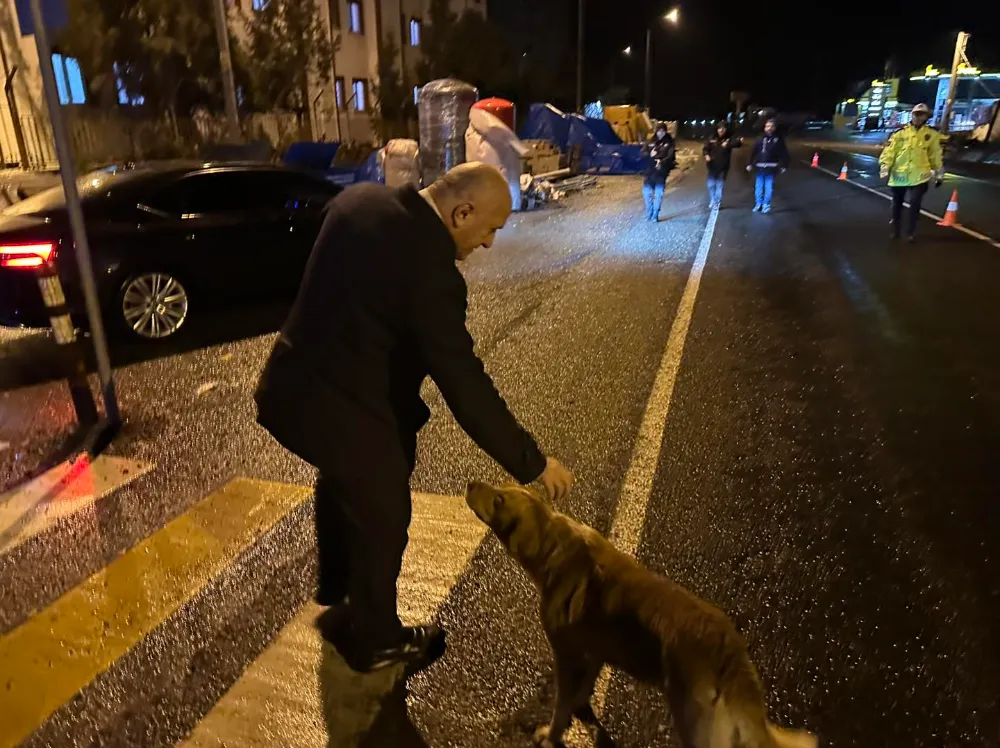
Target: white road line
<point x="964" y="229"/>
<point x="947" y="173"/>
<point x="630" y="516"/>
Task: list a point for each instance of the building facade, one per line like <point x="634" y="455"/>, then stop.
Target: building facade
<point x="342" y="109"/>
<point x="339" y="110"/>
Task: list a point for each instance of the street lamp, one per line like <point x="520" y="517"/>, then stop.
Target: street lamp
<point x="627" y="51"/>
<point x="672" y="16"/>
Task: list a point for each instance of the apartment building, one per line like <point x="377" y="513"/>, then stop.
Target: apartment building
<point x="339" y="110"/>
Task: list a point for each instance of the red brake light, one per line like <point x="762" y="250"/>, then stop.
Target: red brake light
<point x="25" y="255"/>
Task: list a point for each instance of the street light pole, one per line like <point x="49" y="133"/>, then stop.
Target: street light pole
<point x="579" y="59"/>
<point x="649" y="65"/>
<point x="960" y="43"/>
<point x="672" y="16"/>
<point x="226" y="60"/>
<point x="67" y="173"/>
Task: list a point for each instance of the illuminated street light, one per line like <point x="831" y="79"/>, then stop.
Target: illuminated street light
<point x="672" y="16"/>
<point x="627" y="51"/>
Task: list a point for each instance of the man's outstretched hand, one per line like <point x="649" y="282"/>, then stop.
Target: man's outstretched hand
<point x="556" y="479"/>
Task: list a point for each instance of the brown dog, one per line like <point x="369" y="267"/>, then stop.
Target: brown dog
<point x="598" y="605"/>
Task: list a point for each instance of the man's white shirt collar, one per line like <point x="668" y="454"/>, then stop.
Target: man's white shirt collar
<point x="427" y="196"/>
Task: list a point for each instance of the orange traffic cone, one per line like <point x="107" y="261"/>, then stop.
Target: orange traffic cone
<point x="815" y="162"/>
<point x="951" y="215"/>
<point x="843" y="171"/>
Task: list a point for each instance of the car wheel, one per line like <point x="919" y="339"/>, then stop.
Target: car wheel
<point x="153" y="305"/>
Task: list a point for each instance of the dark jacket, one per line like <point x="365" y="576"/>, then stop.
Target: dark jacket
<point x="663" y="158"/>
<point x="381" y="307"/>
<point x="769" y="154"/>
<point x="720" y="153"/>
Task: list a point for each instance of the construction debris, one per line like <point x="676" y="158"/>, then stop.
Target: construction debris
<point x="537" y="191"/>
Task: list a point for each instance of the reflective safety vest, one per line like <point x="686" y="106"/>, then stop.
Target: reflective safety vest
<point x="912" y="156"/>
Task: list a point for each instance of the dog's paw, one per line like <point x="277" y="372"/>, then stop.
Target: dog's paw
<point x="542" y="738"/>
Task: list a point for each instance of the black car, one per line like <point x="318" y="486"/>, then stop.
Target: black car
<point x="167" y="240"/>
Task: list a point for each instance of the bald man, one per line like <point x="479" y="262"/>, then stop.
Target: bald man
<point x="381" y="307"/>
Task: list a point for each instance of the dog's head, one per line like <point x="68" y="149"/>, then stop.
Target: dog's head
<point x="541" y="540"/>
<point x="515" y="514"/>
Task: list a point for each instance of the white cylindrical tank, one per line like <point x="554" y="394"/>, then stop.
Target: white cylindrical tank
<point x="443" y="107"/>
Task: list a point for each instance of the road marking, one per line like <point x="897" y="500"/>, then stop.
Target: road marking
<point x="637" y="488"/>
<point x="55" y="653"/>
<point x="964" y="229"/>
<point x="61" y="492"/>
<point x="299" y="691"/>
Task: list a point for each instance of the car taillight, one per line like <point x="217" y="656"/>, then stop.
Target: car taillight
<point x="25" y="255"/>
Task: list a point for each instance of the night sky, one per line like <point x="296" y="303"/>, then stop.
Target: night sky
<point x="790" y="54"/>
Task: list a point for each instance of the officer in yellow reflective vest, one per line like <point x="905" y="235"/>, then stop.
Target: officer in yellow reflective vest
<point x="910" y="159"/>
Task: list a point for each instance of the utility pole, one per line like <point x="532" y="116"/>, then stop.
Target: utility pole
<point x="226" y="59"/>
<point x="649" y="66"/>
<point x="15" y="117"/>
<point x="579" y="59"/>
<point x="960" y="43"/>
<point x="67" y="173"/>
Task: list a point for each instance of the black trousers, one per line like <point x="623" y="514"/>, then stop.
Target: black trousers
<point x="916" y="198"/>
<point x="363" y="511"/>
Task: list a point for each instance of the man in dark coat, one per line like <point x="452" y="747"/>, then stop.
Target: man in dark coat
<point x="381" y="307"/>
<point x="768" y="157"/>
<point x="662" y="159"/>
<point x="718" y="156"/>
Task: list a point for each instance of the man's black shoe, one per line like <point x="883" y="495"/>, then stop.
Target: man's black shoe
<point x="420" y="647"/>
<point x="329" y="597"/>
<point x="335" y="626"/>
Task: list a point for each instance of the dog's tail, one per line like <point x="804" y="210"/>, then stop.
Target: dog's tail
<point x="744" y="699"/>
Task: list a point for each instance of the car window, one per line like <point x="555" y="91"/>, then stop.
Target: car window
<point x="301" y="191"/>
<point x="224" y="192"/>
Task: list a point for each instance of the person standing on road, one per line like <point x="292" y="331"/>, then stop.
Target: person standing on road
<point x="718" y="156"/>
<point x="663" y="157"/>
<point x="382" y="306"/>
<point x="910" y="159"/>
<point x="769" y="156"/>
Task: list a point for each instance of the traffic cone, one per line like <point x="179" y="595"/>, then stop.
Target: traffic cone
<point x="951" y="215"/>
<point x="843" y="171"/>
<point x="815" y="162"/>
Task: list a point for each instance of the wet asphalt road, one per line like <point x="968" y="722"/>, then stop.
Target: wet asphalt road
<point x="978" y="186"/>
<point x="829" y="474"/>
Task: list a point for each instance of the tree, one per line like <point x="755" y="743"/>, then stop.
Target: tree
<point x="161" y="52"/>
<point x="394" y="108"/>
<point x="469" y="47"/>
<point x="287" y="46"/>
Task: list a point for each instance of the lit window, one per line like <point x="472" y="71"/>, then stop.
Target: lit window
<point x="123" y="95"/>
<point x="69" y="80"/>
<point x="416" y="94"/>
<point x="360" y="95"/>
<point x="338" y="87"/>
<point x="414" y="32"/>
<point x="355" y="18"/>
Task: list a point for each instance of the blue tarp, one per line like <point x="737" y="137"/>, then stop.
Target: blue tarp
<point x="588" y="129"/>
<point x="314" y="156"/>
<point x="601" y="150"/>
<point x="545" y="122"/>
<point x="604" y="158"/>
<point x="371" y="170"/>
<point x="319" y="157"/>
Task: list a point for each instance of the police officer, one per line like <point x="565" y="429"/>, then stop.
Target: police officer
<point x="910" y="159"/>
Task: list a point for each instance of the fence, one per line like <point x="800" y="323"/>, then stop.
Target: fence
<point x="100" y="138"/>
